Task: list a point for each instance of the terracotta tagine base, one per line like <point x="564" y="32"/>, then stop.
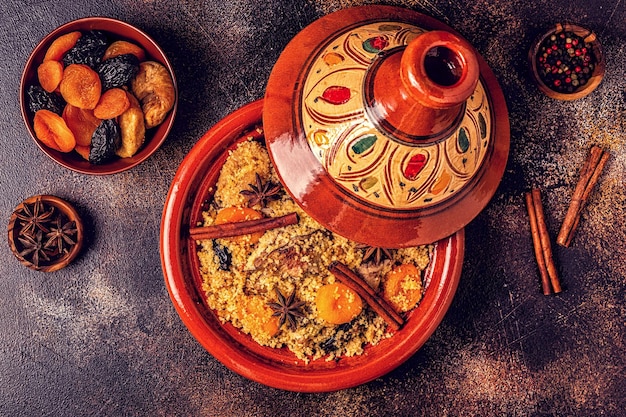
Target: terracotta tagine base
<point x="386" y="126"/>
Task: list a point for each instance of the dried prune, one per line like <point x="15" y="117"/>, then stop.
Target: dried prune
<point x="104" y="142"/>
<point x="223" y="255"/>
<point x="89" y="49"/>
<point x="118" y="70"/>
<point x="39" y="99"/>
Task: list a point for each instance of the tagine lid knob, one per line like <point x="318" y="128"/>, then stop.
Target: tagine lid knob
<point x="386" y="126"/>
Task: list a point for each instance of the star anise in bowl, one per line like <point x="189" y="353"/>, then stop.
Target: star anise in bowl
<point x="261" y="193"/>
<point x="45" y="233"/>
<point x="287" y="308"/>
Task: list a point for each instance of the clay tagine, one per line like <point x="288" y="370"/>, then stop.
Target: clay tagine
<point x="386" y="126"/>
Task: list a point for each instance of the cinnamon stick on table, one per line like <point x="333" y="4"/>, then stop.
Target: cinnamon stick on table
<point x="550" y="282"/>
<point x="247" y="227"/>
<point x="589" y="175"/>
<point x="344" y="274"/>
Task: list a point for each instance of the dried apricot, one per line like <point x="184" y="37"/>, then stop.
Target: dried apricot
<point x="256" y="317"/>
<point x="50" y="74"/>
<point x="51" y="130"/>
<point x="403" y="287"/>
<point x="81" y="86"/>
<point x="337" y="304"/>
<point x="239" y="214"/>
<point x="83" y="151"/>
<point x="61" y="45"/>
<point x="132" y="128"/>
<point x="124" y="47"/>
<point x="112" y="103"/>
<point x="81" y="122"/>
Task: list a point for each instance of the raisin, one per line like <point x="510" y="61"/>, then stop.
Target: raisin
<point x="89" y="49"/>
<point x="118" y="70"/>
<point x="39" y="99"/>
<point x="223" y="255"/>
<point x="104" y="142"/>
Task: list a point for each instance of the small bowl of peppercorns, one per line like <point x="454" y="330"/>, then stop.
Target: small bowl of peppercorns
<point x="45" y="233"/>
<point x="567" y="62"/>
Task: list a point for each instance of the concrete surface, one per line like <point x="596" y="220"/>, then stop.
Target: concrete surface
<point x="101" y="337"/>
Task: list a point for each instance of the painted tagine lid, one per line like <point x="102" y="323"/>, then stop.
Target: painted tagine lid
<point x="386" y="126"/>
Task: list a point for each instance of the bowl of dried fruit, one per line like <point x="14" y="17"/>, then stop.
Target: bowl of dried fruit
<point x="274" y="295"/>
<point x="98" y="95"/>
<point x="45" y="233"/>
<point x="567" y="62"/>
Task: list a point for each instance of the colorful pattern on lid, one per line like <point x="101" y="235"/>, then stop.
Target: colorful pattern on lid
<point x="364" y="161"/>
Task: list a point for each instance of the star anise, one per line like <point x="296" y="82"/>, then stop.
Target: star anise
<point x="59" y="236"/>
<point x="34" y="246"/>
<point x="261" y="193"/>
<point x="375" y="254"/>
<point x="34" y="218"/>
<point x="288" y="309"/>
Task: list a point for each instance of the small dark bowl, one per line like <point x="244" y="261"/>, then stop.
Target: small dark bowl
<point x="595" y="50"/>
<point x="119" y="31"/>
<point x="67" y="214"/>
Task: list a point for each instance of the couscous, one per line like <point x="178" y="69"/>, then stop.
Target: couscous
<point x="276" y="285"/>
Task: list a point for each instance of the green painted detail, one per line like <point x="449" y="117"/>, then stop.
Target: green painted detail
<point x="482" y="124"/>
<point x="364" y="143"/>
<point x="463" y="140"/>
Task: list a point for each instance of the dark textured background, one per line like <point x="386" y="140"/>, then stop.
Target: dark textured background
<point x="102" y="338"/>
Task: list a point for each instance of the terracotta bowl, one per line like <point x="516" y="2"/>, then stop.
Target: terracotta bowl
<point x="66" y="214"/>
<point x="119" y="31"/>
<point x="279" y="368"/>
<point x="595" y="51"/>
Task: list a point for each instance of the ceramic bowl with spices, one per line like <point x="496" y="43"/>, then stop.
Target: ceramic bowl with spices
<point x="98" y="95"/>
<point x="567" y="62"/>
<point x="45" y="233"/>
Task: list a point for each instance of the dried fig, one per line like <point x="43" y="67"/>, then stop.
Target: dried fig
<point x="132" y="128"/>
<point x="154" y="88"/>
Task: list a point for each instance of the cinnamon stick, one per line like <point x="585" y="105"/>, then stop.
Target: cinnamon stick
<point x="362" y="288"/>
<point x="589" y="176"/>
<point x="534" y="229"/>
<point x="541" y="242"/>
<point x="216" y="231"/>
